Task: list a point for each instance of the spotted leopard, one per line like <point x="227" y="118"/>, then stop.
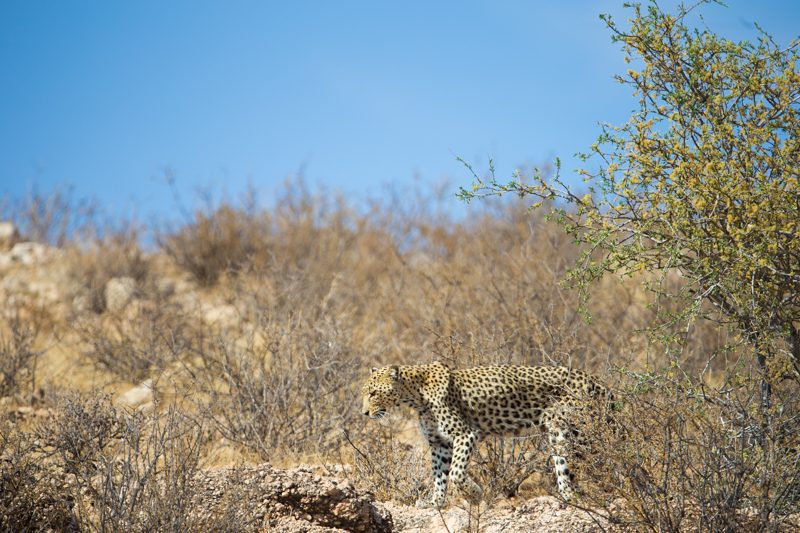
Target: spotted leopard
<point x="457" y="408"/>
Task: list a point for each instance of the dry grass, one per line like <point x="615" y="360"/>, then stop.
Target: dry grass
<point x="19" y="353"/>
<point x="117" y="254"/>
<point x="323" y="291"/>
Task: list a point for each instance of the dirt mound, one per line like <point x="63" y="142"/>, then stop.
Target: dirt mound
<point x="285" y="500"/>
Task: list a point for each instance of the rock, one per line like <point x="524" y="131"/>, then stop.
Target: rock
<point x="118" y="293"/>
<point x="9" y="236"/>
<point x="265" y="498"/>
<point x="223" y="316"/>
<point x="25" y="410"/>
<point x="29" y="287"/>
<point x="46" y="291"/>
<point x="29" y="253"/>
<point x="81" y="302"/>
<point x="26" y="253"/>
<point x="139" y="396"/>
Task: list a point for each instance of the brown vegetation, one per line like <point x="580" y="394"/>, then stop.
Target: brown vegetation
<point x="256" y="327"/>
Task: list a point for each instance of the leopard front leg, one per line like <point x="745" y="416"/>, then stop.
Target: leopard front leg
<point x="441" y="456"/>
<point x="463" y="445"/>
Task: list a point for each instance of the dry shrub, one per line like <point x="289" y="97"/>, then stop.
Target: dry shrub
<point x="124" y="471"/>
<point x="116" y="254"/>
<point x="399" y="280"/>
<point x="216" y="241"/>
<point x="18" y="354"/>
<point x="32" y="496"/>
<point x="147" y="483"/>
<point x="501" y="465"/>
<point x="304" y="228"/>
<point x="388" y="467"/>
<point x="696" y="458"/>
<point x="289" y="389"/>
<point x="53" y="218"/>
<point x="143" y="338"/>
<point x="80" y="430"/>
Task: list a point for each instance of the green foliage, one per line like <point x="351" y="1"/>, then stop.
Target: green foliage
<point x="701" y="181"/>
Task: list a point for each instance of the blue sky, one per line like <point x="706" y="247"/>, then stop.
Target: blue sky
<point x="104" y="96"/>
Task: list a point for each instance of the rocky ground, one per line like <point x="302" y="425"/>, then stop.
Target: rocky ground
<point x="299" y="500"/>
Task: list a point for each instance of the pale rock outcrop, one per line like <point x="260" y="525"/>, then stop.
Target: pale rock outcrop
<point x="27" y="254"/>
<point x="264" y="498"/>
<point x="138" y="397"/>
<point x="220" y="315"/>
<point x="119" y="292"/>
<point x="42" y="291"/>
<point x="9" y="236"/>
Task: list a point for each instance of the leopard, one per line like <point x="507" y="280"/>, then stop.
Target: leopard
<point x="457" y="408"/>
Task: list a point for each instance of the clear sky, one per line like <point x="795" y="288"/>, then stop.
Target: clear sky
<point x="355" y="94"/>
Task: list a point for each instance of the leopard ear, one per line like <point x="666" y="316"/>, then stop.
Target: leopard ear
<point x="373" y="370"/>
<point x="394" y="372"/>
